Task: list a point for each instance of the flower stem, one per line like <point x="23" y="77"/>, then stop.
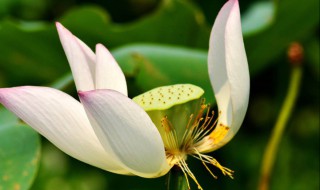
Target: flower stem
<point x="176" y="179"/>
<point x="273" y="144"/>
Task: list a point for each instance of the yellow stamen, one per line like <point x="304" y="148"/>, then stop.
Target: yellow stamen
<point x="219" y="133"/>
<point x="187" y="172"/>
<point x="196" y="130"/>
<point x="209" y="159"/>
<point x="165" y="123"/>
<point x="170" y="138"/>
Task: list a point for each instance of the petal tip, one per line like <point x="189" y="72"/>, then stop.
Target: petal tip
<point x="63" y="31"/>
<point x="60" y="27"/>
<point x="100" y="47"/>
<point x="58" y="24"/>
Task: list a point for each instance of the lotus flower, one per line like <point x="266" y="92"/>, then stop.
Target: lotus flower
<point x="108" y="130"/>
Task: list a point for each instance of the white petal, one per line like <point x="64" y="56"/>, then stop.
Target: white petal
<point x="80" y="57"/>
<point x="125" y="129"/>
<point x="89" y="55"/>
<point x="108" y="73"/>
<point x="62" y="120"/>
<point x="228" y="69"/>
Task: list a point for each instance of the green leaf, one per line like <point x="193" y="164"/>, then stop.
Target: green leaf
<point x="313" y="58"/>
<point x="19" y="153"/>
<point x="158" y="65"/>
<point x="25" y="9"/>
<point x="293" y="21"/>
<point x="35" y="49"/>
<point x="258" y="17"/>
<point x="32" y="53"/>
<point x="7" y="118"/>
<point x="62" y="82"/>
<point x="174" y="21"/>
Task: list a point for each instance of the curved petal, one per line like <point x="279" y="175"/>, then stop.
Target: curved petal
<point x="62" y="120"/>
<point x="108" y="73"/>
<point x="89" y="55"/>
<point x="80" y="58"/>
<point x="125" y="129"/>
<point x="228" y="70"/>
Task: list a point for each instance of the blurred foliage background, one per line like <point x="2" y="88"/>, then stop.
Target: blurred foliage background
<point x="161" y="42"/>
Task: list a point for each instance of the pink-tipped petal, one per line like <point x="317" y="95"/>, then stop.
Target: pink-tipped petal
<point x="62" y="120"/>
<point x="108" y="73"/>
<point x="228" y="69"/>
<point x="125" y="129"/>
<point x="80" y="57"/>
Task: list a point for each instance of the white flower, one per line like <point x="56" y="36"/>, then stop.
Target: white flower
<point x="110" y="131"/>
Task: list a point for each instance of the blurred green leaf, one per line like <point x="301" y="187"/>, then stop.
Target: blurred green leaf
<point x="26" y="9"/>
<point x="258" y="17"/>
<point x="7" y="118"/>
<point x="30" y="47"/>
<point x="32" y="53"/>
<point x="175" y="22"/>
<point x="63" y="82"/>
<point x="19" y="153"/>
<point x="4" y="6"/>
<point x="158" y="65"/>
<point x="35" y="47"/>
<point x="313" y="58"/>
<point x="293" y="21"/>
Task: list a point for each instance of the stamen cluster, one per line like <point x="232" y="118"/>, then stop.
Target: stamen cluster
<point x="197" y="128"/>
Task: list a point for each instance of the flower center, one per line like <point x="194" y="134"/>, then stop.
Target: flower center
<point x="184" y="122"/>
<point x="194" y="138"/>
<point x="176" y="102"/>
